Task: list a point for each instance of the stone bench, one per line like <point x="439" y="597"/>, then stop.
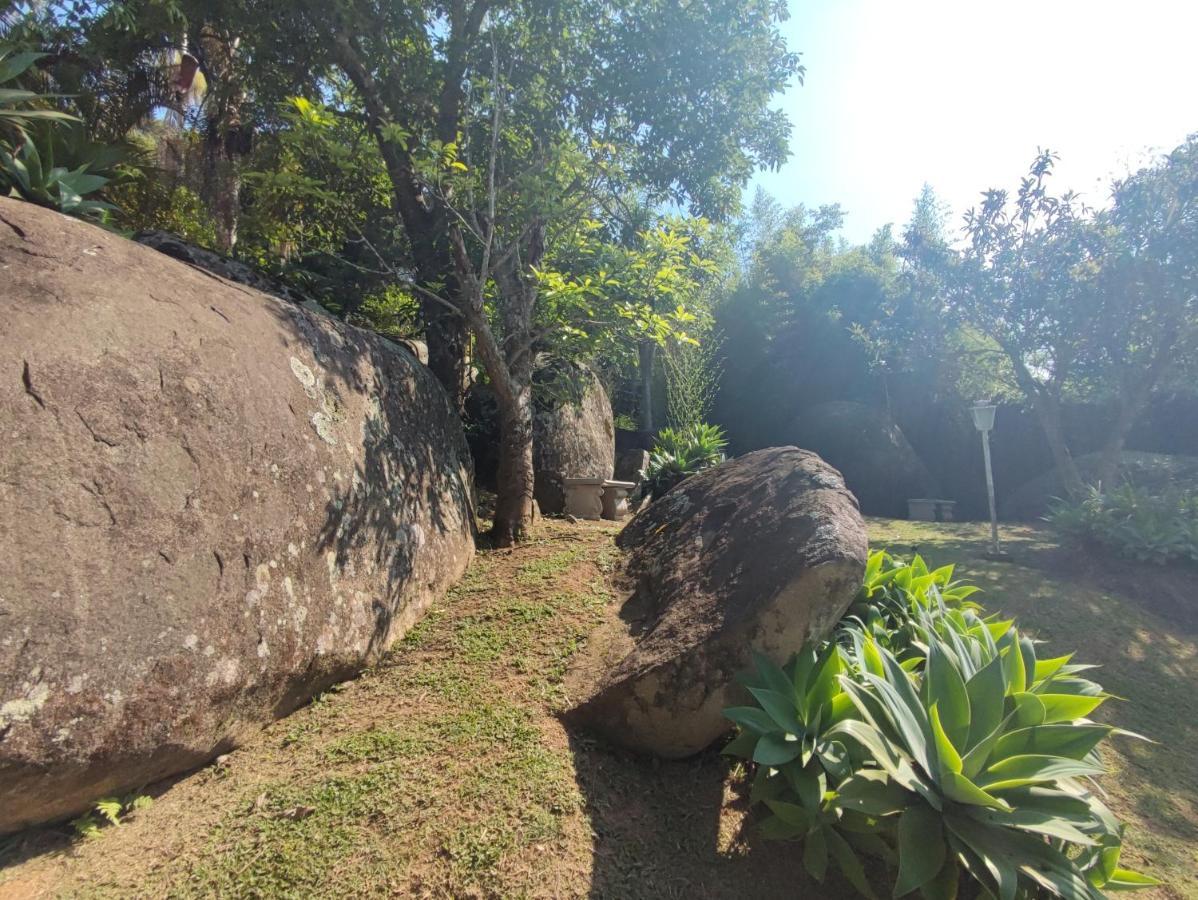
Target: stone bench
<point x="594" y="498"/>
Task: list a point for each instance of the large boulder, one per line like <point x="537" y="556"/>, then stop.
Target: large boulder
<point x="574" y="434"/>
<point x="879" y="466"/>
<point x="225" y="267"/>
<point x="573" y="430"/>
<point x="213" y="504"/>
<point x="759" y="553"/>
<point x="1151" y="471"/>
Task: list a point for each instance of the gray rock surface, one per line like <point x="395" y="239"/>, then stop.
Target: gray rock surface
<point x="879" y="465"/>
<point x="573" y="431"/>
<point x="759" y="553"/>
<point x="213" y="504"/>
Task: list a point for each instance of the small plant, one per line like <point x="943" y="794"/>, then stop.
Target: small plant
<point x="1158" y="528"/>
<point x="938" y="742"/>
<point x="33" y="136"/>
<point x="681" y="452"/>
<point x="111" y="811"/>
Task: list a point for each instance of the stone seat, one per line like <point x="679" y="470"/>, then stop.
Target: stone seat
<point x="615" y="499"/>
<point x="594" y="498"/>
<point x="584" y="497"/>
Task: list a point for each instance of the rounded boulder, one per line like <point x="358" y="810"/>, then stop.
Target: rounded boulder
<point x="760" y="553"/>
<point x="214" y="504"/>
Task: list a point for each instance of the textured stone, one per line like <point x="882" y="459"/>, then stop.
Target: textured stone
<point x="879" y="465"/>
<point x="573" y="431"/>
<point x="213" y="504"/>
<point x="631" y="465"/>
<point x="759" y="553"/>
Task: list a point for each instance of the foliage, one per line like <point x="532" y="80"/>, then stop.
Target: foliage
<point x="681" y="452"/>
<point x="1158" y="528"/>
<point x="110" y="811"/>
<point x="937" y="741"/>
<point x="692" y="379"/>
<point x="35" y="137"/>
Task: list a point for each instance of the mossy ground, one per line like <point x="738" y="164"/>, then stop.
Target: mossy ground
<point x="445" y="771"/>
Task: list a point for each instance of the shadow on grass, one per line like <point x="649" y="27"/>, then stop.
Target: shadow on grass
<point x="665" y="829"/>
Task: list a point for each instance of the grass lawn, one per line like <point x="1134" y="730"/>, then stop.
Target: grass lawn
<point x="445" y="771"/>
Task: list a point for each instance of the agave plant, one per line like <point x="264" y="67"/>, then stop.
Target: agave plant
<point x="982" y="764"/>
<point x="788" y="737"/>
<point x="954" y="754"/>
<point x="32" y="136"/>
<point x="681" y="452"/>
<point x="892" y="594"/>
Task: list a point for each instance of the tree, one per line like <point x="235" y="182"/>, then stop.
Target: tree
<point x="1146" y="323"/>
<point x="571" y="106"/>
<point x="1028" y="281"/>
<point x="1087" y="304"/>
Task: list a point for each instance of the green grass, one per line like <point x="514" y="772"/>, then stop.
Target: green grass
<point x="443" y="772"/>
<point x="1145" y="658"/>
<point x="441" y="794"/>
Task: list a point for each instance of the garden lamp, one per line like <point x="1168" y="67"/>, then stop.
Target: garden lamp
<point x="983" y="420"/>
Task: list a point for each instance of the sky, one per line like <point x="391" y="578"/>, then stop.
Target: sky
<point x="961" y="93"/>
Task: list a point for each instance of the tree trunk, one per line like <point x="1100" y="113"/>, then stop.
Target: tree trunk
<point x="648" y="354"/>
<point x="224" y="198"/>
<point x="448" y="342"/>
<point x="513" y="505"/>
<point x="1048" y="411"/>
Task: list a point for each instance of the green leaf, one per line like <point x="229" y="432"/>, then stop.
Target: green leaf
<point x="961" y="790"/>
<point x="1066" y="707"/>
<point x="950" y="759"/>
<point x="1029" y="710"/>
<point x="778" y="829"/>
<point x="1072" y="740"/>
<point x="751" y="718"/>
<point x="1018" y="771"/>
<point x="944" y="885"/>
<point x="824" y="680"/>
<point x="986" y="690"/>
<point x="1127" y="880"/>
<point x="920" y="847"/>
<point x="848" y="863"/>
<point x="815" y="854"/>
<point x="775" y="750"/>
<point x="870" y="791"/>
<point x="110" y="809"/>
<point x="792" y="814"/>
<point x="806" y="785"/>
<point x="741" y="746"/>
<point x="947" y="692"/>
<point x="1016" y="674"/>
<point x="780" y="708"/>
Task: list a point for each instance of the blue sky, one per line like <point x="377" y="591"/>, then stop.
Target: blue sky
<point x="960" y="93"/>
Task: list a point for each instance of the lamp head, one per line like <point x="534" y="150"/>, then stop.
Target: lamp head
<point x="983" y="416"/>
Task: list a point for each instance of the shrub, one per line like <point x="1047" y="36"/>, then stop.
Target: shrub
<point x="45" y="157"/>
<point x="934" y="739"/>
<point x="681" y="452"/>
<point x="1158" y="528"/>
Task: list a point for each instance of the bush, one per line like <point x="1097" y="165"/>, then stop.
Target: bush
<point x="934" y="739"/>
<point x="681" y="452"/>
<point x="45" y="157"/>
<point x="1157" y="528"/>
